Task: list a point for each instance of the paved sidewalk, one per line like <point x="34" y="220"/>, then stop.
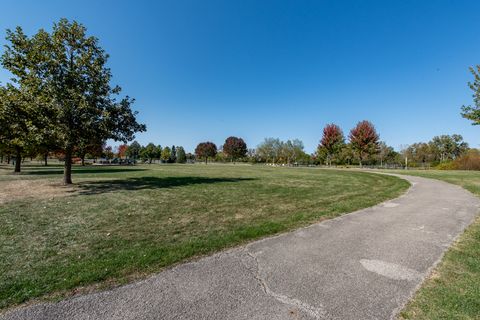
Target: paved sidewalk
<point x="364" y="265"/>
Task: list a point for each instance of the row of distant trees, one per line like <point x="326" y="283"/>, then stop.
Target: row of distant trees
<point x="151" y="153"/>
<point x="361" y="147"/>
<point x="440" y="149"/>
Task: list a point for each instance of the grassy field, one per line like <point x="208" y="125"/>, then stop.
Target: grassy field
<point x="121" y="223"/>
<point x="453" y="290"/>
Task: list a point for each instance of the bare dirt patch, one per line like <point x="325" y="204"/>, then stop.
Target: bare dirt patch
<point x="38" y="189"/>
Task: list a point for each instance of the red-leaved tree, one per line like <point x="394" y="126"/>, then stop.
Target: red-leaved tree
<point x="206" y="150"/>
<point x="364" y="140"/>
<point x="332" y="142"/>
<point x="122" y="150"/>
<point x="234" y="148"/>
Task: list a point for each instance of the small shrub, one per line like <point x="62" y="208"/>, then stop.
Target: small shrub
<point x="446" y="165"/>
<point x="469" y="161"/>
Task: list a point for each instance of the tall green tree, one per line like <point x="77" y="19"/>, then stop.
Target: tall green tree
<point x="173" y="155"/>
<point x="150" y="152"/>
<point x="166" y="153"/>
<point x="69" y="68"/>
<point x="269" y="149"/>
<point x="133" y="150"/>
<point x="473" y="112"/>
<point x="181" y="156"/>
<point x="159" y="153"/>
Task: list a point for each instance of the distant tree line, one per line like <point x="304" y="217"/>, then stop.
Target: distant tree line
<point x="153" y="153"/>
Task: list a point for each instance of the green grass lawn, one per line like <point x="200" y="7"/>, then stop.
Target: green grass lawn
<point x="453" y="290"/>
<point x="121" y="223"/>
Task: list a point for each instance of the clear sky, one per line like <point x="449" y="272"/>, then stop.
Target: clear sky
<point x="205" y="70"/>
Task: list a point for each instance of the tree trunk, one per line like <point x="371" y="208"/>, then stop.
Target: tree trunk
<point x="206" y="160"/>
<point x="67" y="172"/>
<point x="18" y="160"/>
<point x="46" y="158"/>
<point x="8" y="158"/>
<point x="83" y="161"/>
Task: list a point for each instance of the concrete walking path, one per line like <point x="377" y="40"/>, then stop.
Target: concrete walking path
<point x="363" y="265"/>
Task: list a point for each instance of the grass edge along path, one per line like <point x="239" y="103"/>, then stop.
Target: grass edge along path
<point x="452" y="290"/>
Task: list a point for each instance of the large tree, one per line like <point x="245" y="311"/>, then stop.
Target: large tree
<point x="473" y="112"/>
<point x="234" y="148"/>
<point x="150" y="152"/>
<point x="133" y="151"/>
<point x="69" y="68"/>
<point x="181" y="156"/>
<point x="332" y="142"/>
<point x="269" y="149"/>
<point x="166" y="154"/>
<point x="446" y="147"/>
<point x="364" y="140"/>
<point x="385" y="153"/>
<point x="206" y="150"/>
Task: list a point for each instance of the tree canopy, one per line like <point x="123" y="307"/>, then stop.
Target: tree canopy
<point x="473" y="112"/>
<point x="364" y="139"/>
<point x="234" y="148"/>
<point x="66" y="72"/>
<point x="332" y="142"/>
<point x="205" y="150"/>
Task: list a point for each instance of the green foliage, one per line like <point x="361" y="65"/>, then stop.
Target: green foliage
<point x="66" y="70"/>
<point x="22" y="123"/>
<point x="277" y="151"/>
<point x="443" y="148"/>
<point x="446" y="165"/>
<point x="133" y="150"/>
<point x="166" y="154"/>
<point x="181" y="156"/>
<point x="173" y="155"/>
<point x="473" y="112"/>
<point x="149" y="153"/>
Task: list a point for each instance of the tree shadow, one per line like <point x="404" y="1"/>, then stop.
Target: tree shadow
<point x="83" y="170"/>
<point x="144" y="183"/>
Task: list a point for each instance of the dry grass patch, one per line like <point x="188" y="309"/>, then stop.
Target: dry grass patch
<point x="35" y="189"/>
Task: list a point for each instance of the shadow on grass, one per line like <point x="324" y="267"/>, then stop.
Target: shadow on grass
<point x="144" y="183"/>
<point x="80" y="170"/>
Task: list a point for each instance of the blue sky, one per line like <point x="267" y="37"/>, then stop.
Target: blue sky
<point x="205" y="70"/>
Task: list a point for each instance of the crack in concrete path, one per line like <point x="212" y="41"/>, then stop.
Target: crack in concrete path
<point x="314" y="312"/>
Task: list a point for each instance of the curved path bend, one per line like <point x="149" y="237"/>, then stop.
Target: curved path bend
<point x="363" y="265"/>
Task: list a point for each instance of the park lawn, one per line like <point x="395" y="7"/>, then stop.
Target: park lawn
<point x="122" y="223"/>
<point x="453" y="290"/>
